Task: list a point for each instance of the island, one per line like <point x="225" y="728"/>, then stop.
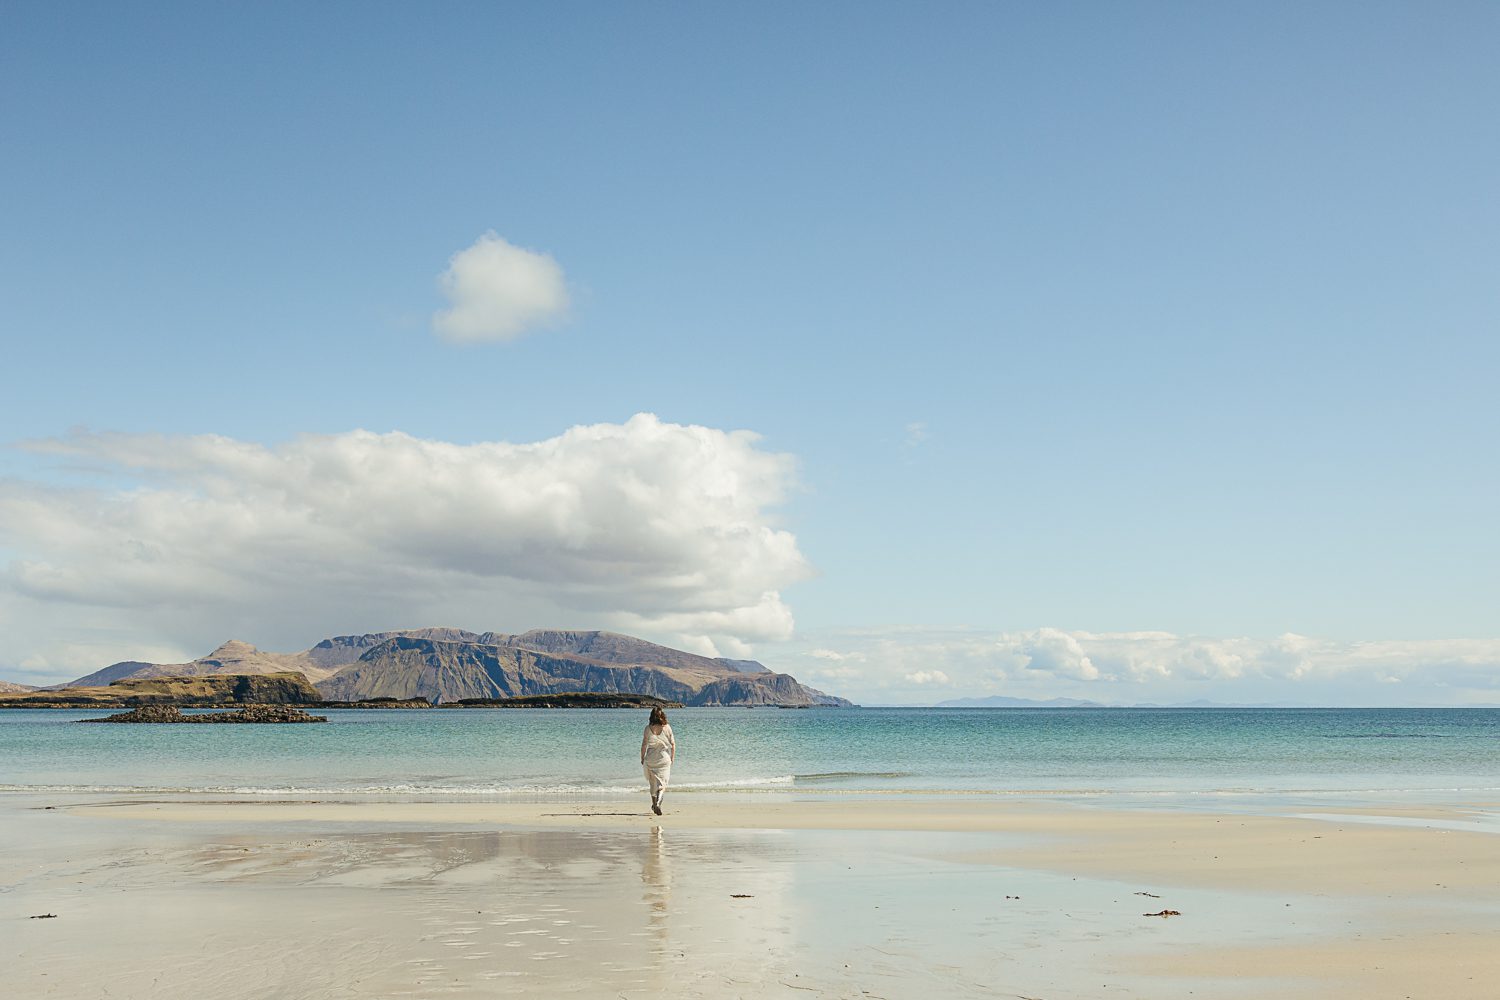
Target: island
<point x="203" y="691"/>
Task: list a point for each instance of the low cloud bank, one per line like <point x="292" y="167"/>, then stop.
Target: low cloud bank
<point x="924" y="665"/>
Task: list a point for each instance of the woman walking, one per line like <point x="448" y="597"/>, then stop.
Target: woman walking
<point x="658" y="749"/>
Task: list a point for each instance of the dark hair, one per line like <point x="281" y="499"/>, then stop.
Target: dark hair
<point x="658" y="716"/>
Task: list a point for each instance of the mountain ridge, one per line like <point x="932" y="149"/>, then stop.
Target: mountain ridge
<point x="445" y="671"/>
<point x="444" y="664"/>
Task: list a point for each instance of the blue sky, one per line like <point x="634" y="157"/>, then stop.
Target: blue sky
<point x="1074" y="320"/>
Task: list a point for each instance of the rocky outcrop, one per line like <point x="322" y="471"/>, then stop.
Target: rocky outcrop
<point x="188" y="692"/>
<point x="7" y="687"/>
<point x="249" y="715"/>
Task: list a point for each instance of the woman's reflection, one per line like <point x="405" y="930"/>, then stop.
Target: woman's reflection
<point x="656" y="873"/>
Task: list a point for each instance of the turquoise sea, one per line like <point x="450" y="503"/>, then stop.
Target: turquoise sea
<point x="1169" y="754"/>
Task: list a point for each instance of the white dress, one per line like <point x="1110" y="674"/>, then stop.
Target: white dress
<point x="656" y="756"/>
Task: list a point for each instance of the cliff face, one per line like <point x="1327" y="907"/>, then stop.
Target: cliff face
<point x="605" y="647"/>
<point x="288" y="688"/>
<point x="756" y="689"/>
<point x="342" y="650"/>
<point x="409" y="667"/>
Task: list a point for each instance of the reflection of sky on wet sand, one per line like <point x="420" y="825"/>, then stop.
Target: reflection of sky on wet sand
<point x="406" y="913"/>
<point x="550" y="907"/>
<point x="400" y="913"/>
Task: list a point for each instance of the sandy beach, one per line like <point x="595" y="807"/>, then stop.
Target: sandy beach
<point x="744" y="895"/>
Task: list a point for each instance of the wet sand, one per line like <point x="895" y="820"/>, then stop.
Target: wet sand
<point x="767" y="895"/>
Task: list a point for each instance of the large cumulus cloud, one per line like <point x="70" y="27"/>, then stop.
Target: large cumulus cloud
<point x="651" y="526"/>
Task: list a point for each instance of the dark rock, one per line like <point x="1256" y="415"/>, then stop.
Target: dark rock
<point x="253" y="714"/>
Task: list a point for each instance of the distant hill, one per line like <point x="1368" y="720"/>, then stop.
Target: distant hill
<point x="234" y="657"/>
<point x="449" y="664"/>
<point x="1202" y="703"/>
<point x="1000" y="701"/>
<point x="6" y="687"/>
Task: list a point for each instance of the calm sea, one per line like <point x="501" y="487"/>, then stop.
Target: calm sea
<point x="1128" y="753"/>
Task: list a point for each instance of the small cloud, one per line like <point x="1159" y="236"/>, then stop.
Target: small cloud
<point x="928" y="677"/>
<point x="832" y="654"/>
<point x="916" y="434"/>
<point x="499" y="291"/>
<point x="827" y="674"/>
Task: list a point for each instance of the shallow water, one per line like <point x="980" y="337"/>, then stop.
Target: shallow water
<point x="1135" y="753"/>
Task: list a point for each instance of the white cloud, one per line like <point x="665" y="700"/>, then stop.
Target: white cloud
<point x="498" y="291"/>
<point x="1129" y="667"/>
<point x="656" y="528"/>
<point x="1054" y="652"/>
<point x="835" y="655"/>
<point x="916" y="433"/>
